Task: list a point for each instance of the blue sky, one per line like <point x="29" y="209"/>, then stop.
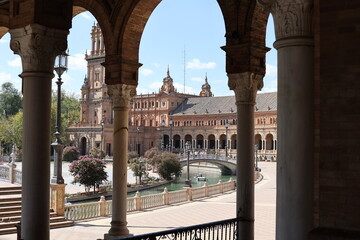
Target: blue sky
<point x="176" y="25"/>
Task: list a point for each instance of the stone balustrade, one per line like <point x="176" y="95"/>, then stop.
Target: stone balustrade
<point x="10" y="174"/>
<point x="138" y="203"/>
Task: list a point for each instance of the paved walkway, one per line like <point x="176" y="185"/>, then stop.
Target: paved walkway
<point x="185" y="214"/>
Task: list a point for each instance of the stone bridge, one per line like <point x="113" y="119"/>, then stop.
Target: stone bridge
<point x="227" y="165"/>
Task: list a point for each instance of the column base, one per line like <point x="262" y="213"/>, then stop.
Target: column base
<point x="107" y="236"/>
<point x="117" y="230"/>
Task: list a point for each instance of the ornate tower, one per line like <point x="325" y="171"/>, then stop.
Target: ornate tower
<point x="167" y="86"/>
<point x="206" y="89"/>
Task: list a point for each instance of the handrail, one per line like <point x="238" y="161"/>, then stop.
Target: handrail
<point x="224" y="229"/>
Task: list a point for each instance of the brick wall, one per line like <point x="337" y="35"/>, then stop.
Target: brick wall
<point x="337" y="72"/>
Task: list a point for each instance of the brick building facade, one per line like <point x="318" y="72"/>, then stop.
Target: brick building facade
<point x="167" y="119"/>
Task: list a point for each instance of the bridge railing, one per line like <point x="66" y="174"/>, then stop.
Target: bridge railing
<point x="209" y="156"/>
<point x="138" y="203"/>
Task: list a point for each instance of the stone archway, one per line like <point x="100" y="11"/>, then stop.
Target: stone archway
<point x="83" y="146"/>
<point x="222" y="141"/>
<point x="211" y="139"/>
<point x="177" y="141"/>
<point x="269" y="142"/>
<point x="258" y="142"/>
<point x="200" y="141"/>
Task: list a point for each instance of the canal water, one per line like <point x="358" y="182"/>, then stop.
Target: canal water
<point x="212" y="174"/>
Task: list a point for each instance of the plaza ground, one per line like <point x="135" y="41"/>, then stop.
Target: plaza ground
<point x="185" y="214"/>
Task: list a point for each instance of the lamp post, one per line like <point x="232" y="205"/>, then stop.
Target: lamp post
<point x="102" y="137"/>
<point x="170" y="144"/>
<point x="187" y="149"/>
<point x="226" y="139"/>
<point x="162" y="135"/>
<point x="137" y="142"/>
<point x="61" y="64"/>
<point x="256" y="157"/>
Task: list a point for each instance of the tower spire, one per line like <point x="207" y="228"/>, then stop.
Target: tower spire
<point x="168" y="71"/>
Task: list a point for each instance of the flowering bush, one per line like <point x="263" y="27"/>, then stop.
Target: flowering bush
<point x="89" y="172"/>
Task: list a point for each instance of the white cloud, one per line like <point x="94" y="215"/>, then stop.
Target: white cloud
<point x="270" y="84"/>
<point x="271" y="70"/>
<point x="198" y="79"/>
<point x="156" y="64"/>
<point x="142" y="91"/>
<point x="85" y="15"/>
<point x="15" y="63"/>
<point x="190" y="90"/>
<point x="4" y="40"/>
<point x="196" y="64"/>
<point x="77" y="62"/>
<point x="4" y="77"/>
<point x="155" y="85"/>
<point x="146" y="71"/>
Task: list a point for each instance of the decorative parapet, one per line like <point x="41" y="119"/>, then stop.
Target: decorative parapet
<point x="138" y="203"/>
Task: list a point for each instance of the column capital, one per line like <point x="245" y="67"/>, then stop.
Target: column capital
<point x="121" y="95"/>
<point x="245" y="85"/>
<point x="292" y="18"/>
<point x="38" y="46"/>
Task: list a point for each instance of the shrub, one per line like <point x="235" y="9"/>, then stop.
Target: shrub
<point x="96" y="153"/>
<point x="138" y="166"/>
<point x="89" y="172"/>
<point x="169" y="165"/>
<point x="70" y="153"/>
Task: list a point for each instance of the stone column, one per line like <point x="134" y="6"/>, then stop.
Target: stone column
<point x="295" y="187"/>
<point x="245" y="86"/>
<point x="121" y="95"/>
<point x="37" y="47"/>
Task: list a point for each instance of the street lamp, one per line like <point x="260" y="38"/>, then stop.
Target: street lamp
<point x="162" y="135"/>
<point x="102" y="136"/>
<point x="170" y="144"/>
<point x="61" y="64"/>
<point x="187" y="149"/>
<point x="256" y="157"/>
<point x="226" y="139"/>
<point x="137" y="142"/>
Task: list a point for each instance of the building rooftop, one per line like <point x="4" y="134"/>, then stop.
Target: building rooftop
<point x="225" y="104"/>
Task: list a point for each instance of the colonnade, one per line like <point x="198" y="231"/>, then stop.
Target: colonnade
<point x="38" y="46"/>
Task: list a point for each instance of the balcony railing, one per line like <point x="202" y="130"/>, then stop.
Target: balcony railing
<point x="220" y="230"/>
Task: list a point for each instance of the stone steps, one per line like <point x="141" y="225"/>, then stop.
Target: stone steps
<point x="55" y="222"/>
<point x="10" y="211"/>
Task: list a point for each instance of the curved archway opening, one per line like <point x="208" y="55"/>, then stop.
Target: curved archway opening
<point x="200" y="141"/>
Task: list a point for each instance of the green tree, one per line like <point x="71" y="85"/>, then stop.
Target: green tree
<point x="70" y="113"/>
<point x="11" y="131"/>
<point x="138" y="166"/>
<point x="10" y="100"/>
<point x="169" y="165"/>
<point x="150" y="155"/>
<point x="131" y="156"/>
<point x="70" y="153"/>
<point x="89" y="172"/>
<point x="96" y="153"/>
